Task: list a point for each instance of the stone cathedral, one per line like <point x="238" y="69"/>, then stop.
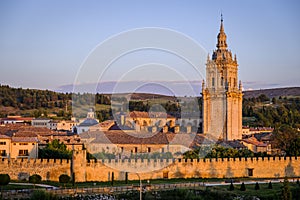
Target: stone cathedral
<point x="222" y="95"/>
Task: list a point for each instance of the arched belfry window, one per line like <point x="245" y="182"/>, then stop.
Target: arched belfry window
<point x="213" y="81"/>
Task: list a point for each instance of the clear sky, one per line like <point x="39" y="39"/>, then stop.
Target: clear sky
<point x="44" y="43"/>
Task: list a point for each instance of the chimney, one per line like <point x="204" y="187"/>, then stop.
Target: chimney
<point x="172" y="124"/>
<point x="122" y="120"/>
<point x="137" y="127"/>
<point x="154" y="129"/>
<point x="165" y="129"/>
<point x="176" y="129"/>
<point x="188" y="129"/>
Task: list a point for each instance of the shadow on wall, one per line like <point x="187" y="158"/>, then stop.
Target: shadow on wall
<point x="289" y="170"/>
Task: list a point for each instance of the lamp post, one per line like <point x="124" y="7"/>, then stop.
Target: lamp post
<point x="140" y="185"/>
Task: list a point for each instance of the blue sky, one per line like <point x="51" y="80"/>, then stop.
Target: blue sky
<point x="44" y="43"/>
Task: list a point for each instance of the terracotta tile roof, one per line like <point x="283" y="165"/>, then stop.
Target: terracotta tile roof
<point x="26" y="131"/>
<point x="181" y="139"/>
<point x="75" y="139"/>
<point x="120" y="137"/>
<point x="24" y="139"/>
<point x="266" y="136"/>
<point x="232" y="144"/>
<point x="4" y="137"/>
<point x="254" y="141"/>
<point x="270" y="129"/>
<point x="139" y="114"/>
<point x="16" y="119"/>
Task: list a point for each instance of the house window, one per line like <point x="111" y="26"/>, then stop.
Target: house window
<point x="163" y="150"/>
<point x="166" y="175"/>
<point x="213" y="82"/>
<point x="23" y="143"/>
<point x="2" y="153"/>
<point x="122" y="149"/>
<point x="32" y="143"/>
<point x="250" y="171"/>
<point x="23" y="152"/>
<point x="149" y="149"/>
<point x="135" y="149"/>
<point x="2" y="143"/>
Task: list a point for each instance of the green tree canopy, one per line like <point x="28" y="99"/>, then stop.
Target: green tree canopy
<point x="287" y="139"/>
<point x="55" y="149"/>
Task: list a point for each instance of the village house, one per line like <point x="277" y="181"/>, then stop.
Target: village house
<point x="40" y="122"/>
<point x="16" y="120"/>
<point x="256" y="146"/>
<point x="61" y="125"/>
<point x="23" y="141"/>
<point x="18" y="147"/>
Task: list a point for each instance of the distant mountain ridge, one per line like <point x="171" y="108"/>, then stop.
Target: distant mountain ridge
<point x="274" y="92"/>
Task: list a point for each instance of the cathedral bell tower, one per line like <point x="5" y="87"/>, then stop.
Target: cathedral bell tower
<point x="222" y="95"/>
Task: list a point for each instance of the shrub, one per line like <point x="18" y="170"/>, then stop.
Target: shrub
<point x="40" y="194"/>
<point x="64" y="178"/>
<point x="256" y="186"/>
<point x="35" y="178"/>
<point x="4" y="179"/>
<point x="243" y="187"/>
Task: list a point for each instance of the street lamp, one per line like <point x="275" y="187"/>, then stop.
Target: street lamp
<point x="140" y="185"/>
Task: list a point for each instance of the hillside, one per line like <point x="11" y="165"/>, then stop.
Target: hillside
<point x="276" y="92"/>
<point x="31" y="102"/>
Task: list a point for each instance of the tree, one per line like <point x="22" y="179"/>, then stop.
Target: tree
<point x="35" y="178"/>
<point x="231" y="187"/>
<point x="64" y="178"/>
<point x="243" y="187"/>
<point x="112" y="178"/>
<point x="4" y="180"/>
<point x="256" y="186"/>
<point x="270" y="185"/>
<point x="288" y="139"/>
<point x="55" y="149"/>
<point x="126" y="177"/>
<point x="285" y="190"/>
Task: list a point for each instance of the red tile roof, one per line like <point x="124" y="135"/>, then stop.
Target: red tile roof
<point x="24" y="139"/>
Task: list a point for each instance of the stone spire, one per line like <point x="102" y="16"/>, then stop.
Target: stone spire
<point x="222" y="36"/>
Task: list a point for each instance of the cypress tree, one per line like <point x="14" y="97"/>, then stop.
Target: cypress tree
<point x="243" y="187"/>
<point x="231" y="187"/>
<point x="256" y="186"/>
<point x="112" y="178"/>
<point x="126" y="177"/>
<point x="270" y="185"/>
<point x="285" y="190"/>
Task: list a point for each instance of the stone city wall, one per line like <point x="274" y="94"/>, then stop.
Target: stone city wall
<point x="101" y="170"/>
